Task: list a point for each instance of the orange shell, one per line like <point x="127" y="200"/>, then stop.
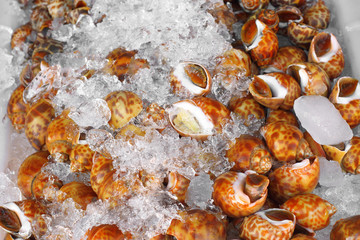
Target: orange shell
<point x="37" y="120"/>
<point x="20" y="34"/>
<point x="178" y="185"/>
<point x="347" y="228"/>
<point x="327" y="53"/>
<point x="270" y="18"/>
<point x="345" y="99"/>
<point x="17" y="108"/>
<point x="249" y="153"/>
<point x="282" y="115"/>
<point x="197" y="225"/>
<point x="81" y="158"/>
<point x="312" y="78"/>
<point x="285" y="141"/>
<point x="79" y="192"/>
<point x="287" y="14"/>
<point x="105" y="232"/>
<point x="300" y="236"/>
<point x="310" y="210"/>
<point x="34" y="183"/>
<point x="222" y="14"/>
<point x="296" y="3"/>
<point x="291" y="180"/>
<point x="271" y="224"/>
<point x="263" y="47"/>
<point x="40" y="18"/>
<point x="124" y="106"/>
<point x="58" y="8"/>
<point x="284" y="57"/>
<point x="247" y="108"/>
<point x="275" y="90"/>
<point x="229" y="194"/>
<point x="301" y="34"/>
<point x="252" y="6"/>
<point x="317" y="15"/>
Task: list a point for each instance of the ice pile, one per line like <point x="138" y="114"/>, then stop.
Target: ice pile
<point x="331" y="174"/>
<point x="322" y="120"/>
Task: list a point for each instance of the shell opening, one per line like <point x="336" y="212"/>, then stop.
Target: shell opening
<point x="252" y="34"/>
<point x="170" y="181"/>
<point x="238" y="187"/>
<point x="348" y="91"/>
<point x="326" y="46"/>
<point x="277" y="90"/>
<point x="277" y="217"/>
<point x="301" y="164"/>
<point x="192" y="76"/>
<point x="190" y="119"/>
<point x="25" y="228"/>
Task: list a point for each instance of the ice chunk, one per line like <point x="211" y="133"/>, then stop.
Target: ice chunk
<point x="322" y="120"/>
<point x="9" y="192"/>
<point x="331" y="173"/>
<point x="94" y="113"/>
<point x="200" y="191"/>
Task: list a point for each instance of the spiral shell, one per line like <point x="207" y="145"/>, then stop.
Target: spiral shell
<point x="317" y="15"/>
<point x="124" y="106"/>
<point x="312" y="78"/>
<point x="285" y="56"/>
<point x="17" y="109"/>
<point x="290" y="180"/>
<point x="177" y="184"/>
<point x="199" y="117"/>
<point x="58" y="8"/>
<point x="310" y="210"/>
<point x="104" y="232"/>
<point x="296" y="3"/>
<point x="285" y="141"/>
<point x="269" y="224"/>
<point x="40" y="18"/>
<point x="20" y="34"/>
<point x="190" y="79"/>
<point x="81" y="158"/>
<point x="37" y="120"/>
<point x="326" y="51"/>
<point x="346" y="98"/>
<point x="260" y="40"/>
<point x="252" y="6"/>
<point x="197" y="225"/>
<point x="249" y="153"/>
<point x="282" y="115"/>
<point x="240" y="194"/>
<point x="35" y="183"/>
<point x="275" y="90"/>
<point x="347" y="228"/>
<point x="270" y="18"/>
<point x="79" y="192"/>
<point x="301" y="34"/>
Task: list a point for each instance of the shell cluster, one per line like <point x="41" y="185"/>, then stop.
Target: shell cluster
<point x="267" y="193"/>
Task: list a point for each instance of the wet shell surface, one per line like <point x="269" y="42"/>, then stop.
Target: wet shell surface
<point x="81" y="158"/>
<point x="199" y="117"/>
<point x="17" y="108"/>
<point x="177" y="185"/>
<point x="326" y="51"/>
<point x="310" y="210"/>
<point x="260" y="41"/>
<point x="270" y="18"/>
<point x="286" y="55"/>
<point x="290" y="180"/>
<point x="317" y="15"/>
<point x="301" y="34"/>
<point x="190" y="79"/>
<point x="346" y="97"/>
<point x="288" y="14"/>
<point x="347" y="228"/>
<point x="269" y="224"/>
<point x="275" y="90"/>
<point x="79" y="192"/>
<point x="282" y="115"/>
<point x="104" y="232"/>
<point x="240" y="194"/>
<point x="19" y="36"/>
<point x="253" y="5"/>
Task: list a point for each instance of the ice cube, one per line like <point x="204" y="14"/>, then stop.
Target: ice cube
<point x="331" y="173"/>
<point x="199" y="192"/>
<point x="322" y="120"/>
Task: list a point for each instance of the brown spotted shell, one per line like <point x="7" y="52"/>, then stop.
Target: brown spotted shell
<point x="58" y="8"/>
<point x="124" y="106"/>
<point x="270" y="224"/>
<point x="249" y="153"/>
<point x="317" y="15"/>
<point x="240" y="194"/>
<point x="287" y="14"/>
<point x="74" y="15"/>
<point x="285" y="56"/>
<point x="301" y="34"/>
<point x="177" y="185"/>
<point x="35" y="183"/>
<point x="40" y="18"/>
<point x="326" y="51"/>
<point x="282" y="115"/>
<point x="20" y="34"/>
<point x="301" y="236"/>
<point x="223" y="14"/>
<point x="310" y="210"/>
<point x="28" y="73"/>
<point x="346" y="98"/>
<point x="312" y="78"/>
<point x="17" y="108"/>
<point x="246" y="108"/>
<point x="105" y="232"/>
<point x="123" y="64"/>
<point x="252" y="6"/>
<point x="296" y="3"/>
<point x="290" y="180"/>
<point x="37" y="120"/>
<point x="270" y="18"/>
<point x="62" y="134"/>
<point x="275" y="90"/>
<point x="190" y="79"/>
<point x="197" y="225"/>
<point x="232" y="66"/>
<point x="81" y="158"/>
<point x="285" y="141"/>
<point x="346" y="228"/>
<point x="199" y="117"/>
<point x="260" y="41"/>
<point x="78" y="192"/>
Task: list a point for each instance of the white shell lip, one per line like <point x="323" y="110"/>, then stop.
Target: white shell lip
<point x="260" y="28"/>
<point x="335" y="47"/>
<point x="25" y="230"/>
<point x="277" y="90"/>
<point x="280" y="223"/>
<point x="206" y="125"/>
<point x="186" y="82"/>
